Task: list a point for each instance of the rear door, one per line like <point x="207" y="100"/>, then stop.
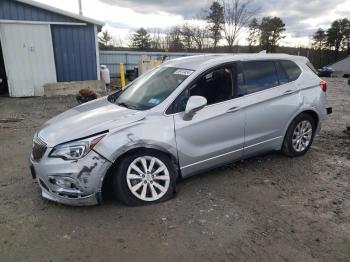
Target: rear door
<point x="271" y="99"/>
<point x="215" y="135"/>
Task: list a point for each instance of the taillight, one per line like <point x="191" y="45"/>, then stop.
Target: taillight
<point x="323" y="85"/>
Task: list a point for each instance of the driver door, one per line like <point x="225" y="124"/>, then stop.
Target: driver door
<point x="215" y="135"/>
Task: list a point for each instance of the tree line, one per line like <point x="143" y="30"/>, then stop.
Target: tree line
<point x="335" y="38"/>
<point x="219" y="28"/>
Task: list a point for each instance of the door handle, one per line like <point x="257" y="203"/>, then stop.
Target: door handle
<point x="288" y="92"/>
<point x="233" y="109"/>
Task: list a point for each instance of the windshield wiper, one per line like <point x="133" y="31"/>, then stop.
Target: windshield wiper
<point x="123" y="104"/>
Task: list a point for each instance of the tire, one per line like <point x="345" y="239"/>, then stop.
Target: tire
<point x="290" y="145"/>
<point x="148" y="187"/>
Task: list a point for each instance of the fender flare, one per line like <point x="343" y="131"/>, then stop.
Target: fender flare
<point x="301" y="110"/>
<point x="144" y="145"/>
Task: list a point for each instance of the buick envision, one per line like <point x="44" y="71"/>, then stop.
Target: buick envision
<point x="185" y="116"/>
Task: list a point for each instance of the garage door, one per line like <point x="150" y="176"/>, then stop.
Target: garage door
<point x="28" y="56"/>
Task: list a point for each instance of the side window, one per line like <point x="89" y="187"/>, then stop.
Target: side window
<point x="293" y="71"/>
<point x="257" y="76"/>
<point x="282" y="75"/>
<point x="216" y="86"/>
<point x="311" y="66"/>
<point x="181" y="101"/>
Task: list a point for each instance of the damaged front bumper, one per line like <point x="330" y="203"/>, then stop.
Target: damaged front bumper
<point x="77" y="182"/>
<point x="90" y="200"/>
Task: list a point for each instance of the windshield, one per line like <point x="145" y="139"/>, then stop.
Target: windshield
<point x="151" y="88"/>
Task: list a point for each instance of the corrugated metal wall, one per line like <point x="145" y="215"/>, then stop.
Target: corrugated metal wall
<point x="130" y="59"/>
<point x="75" y="54"/>
<point x="13" y="10"/>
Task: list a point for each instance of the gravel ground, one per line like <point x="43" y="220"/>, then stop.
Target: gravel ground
<point x="269" y="208"/>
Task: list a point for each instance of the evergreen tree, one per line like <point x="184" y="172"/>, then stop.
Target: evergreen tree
<point x="141" y="39"/>
<point x="271" y="32"/>
<point x="216" y="22"/>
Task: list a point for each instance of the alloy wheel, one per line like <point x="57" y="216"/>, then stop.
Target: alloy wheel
<point x="148" y="178"/>
<point x="302" y="136"/>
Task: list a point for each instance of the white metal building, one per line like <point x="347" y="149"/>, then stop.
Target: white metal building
<point x="41" y="44"/>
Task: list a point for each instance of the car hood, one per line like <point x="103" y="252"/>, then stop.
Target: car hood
<point x="87" y="119"/>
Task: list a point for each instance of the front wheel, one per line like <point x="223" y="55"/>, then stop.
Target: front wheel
<point x="145" y="178"/>
<point x="299" y="136"/>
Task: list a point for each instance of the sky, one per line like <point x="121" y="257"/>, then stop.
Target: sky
<point x="122" y="17"/>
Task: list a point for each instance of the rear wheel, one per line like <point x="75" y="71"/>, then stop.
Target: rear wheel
<point x="299" y="135"/>
<point x="145" y="178"/>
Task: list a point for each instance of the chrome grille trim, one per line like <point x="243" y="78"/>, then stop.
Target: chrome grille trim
<point x="39" y="148"/>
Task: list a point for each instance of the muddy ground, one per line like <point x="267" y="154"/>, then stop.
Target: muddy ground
<point x="269" y="208"/>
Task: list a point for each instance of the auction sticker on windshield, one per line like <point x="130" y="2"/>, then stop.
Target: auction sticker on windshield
<point x="183" y="72"/>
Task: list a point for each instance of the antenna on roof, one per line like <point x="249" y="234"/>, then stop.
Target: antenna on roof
<point x="262" y="52"/>
<point x="80" y="8"/>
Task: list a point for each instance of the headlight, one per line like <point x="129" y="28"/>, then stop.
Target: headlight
<point x="76" y="149"/>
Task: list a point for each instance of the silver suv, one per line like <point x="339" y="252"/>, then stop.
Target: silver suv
<point x="186" y="116"/>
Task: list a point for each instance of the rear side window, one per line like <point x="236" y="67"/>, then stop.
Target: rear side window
<point x="292" y="70"/>
<point x="282" y="75"/>
<point x="311" y="66"/>
<point x="257" y="76"/>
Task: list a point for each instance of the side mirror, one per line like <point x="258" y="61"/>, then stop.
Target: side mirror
<point x="194" y="104"/>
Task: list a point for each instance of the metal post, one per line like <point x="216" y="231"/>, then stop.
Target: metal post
<point x="80" y="8"/>
<point x="122" y="75"/>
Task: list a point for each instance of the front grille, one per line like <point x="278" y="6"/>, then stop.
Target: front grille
<point x="39" y="148"/>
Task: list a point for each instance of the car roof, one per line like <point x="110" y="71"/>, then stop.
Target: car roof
<point x="198" y="62"/>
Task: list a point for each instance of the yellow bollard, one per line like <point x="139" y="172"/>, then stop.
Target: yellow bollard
<point x="122" y="75"/>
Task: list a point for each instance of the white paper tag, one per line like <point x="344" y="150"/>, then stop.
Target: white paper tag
<point x="183" y="72"/>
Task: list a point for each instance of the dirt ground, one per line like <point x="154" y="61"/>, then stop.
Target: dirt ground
<point x="269" y="208"/>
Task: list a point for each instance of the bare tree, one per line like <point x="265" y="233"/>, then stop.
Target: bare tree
<point x="156" y="38"/>
<point x="117" y="41"/>
<point x="164" y="43"/>
<point x="201" y="36"/>
<point x="187" y="32"/>
<point x="237" y="15"/>
<point x="174" y="40"/>
<point x="254" y="34"/>
<point x="201" y="31"/>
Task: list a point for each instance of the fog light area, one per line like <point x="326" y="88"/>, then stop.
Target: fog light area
<point x="63" y="182"/>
